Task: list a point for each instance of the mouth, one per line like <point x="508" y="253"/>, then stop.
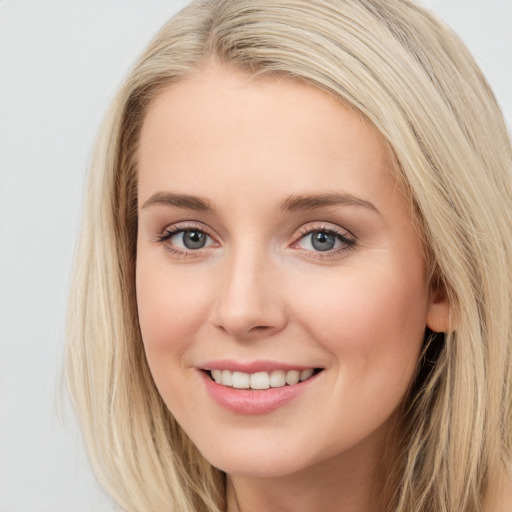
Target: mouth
<point x="263" y="387"/>
<point x="261" y="380"/>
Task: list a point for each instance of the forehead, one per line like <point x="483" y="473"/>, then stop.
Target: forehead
<point x="223" y="126"/>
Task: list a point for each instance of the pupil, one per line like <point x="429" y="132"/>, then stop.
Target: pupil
<point x="194" y="239"/>
<point x="323" y="241"/>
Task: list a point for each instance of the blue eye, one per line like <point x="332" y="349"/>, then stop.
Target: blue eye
<point x="324" y="240"/>
<point x="185" y="240"/>
<point x="190" y="239"/>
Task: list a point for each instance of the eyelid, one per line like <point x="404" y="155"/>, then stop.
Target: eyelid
<point x="345" y="236"/>
<point x="164" y="236"/>
<point x="342" y="234"/>
<point x="324" y="226"/>
<point x="184" y="226"/>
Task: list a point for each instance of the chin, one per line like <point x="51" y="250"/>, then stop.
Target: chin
<point x="259" y="458"/>
<point x="260" y="467"/>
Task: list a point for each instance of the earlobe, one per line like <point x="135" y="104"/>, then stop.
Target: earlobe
<point x="439" y="318"/>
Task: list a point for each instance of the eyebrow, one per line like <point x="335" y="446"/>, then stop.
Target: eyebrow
<point x="311" y="202"/>
<point x="294" y="203"/>
<point x="180" y="200"/>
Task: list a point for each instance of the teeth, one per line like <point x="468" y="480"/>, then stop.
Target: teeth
<point x="240" y="380"/>
<point x="278" y="378"/>
<point x="305" y="374"/>
<point x="292" y="377"/>
<point x="227" y="378"/>
<point x="260" y="380"/>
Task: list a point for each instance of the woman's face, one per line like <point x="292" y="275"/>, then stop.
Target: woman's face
<point x="274" y="244"/>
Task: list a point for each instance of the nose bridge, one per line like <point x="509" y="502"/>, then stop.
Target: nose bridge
<point x="248" y="301"/>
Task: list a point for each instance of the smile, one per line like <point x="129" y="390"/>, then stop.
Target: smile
<point x="257" y="392"/>
<point x="260" y="380"/>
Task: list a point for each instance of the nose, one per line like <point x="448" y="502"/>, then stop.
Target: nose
<point x="249" y="302"/>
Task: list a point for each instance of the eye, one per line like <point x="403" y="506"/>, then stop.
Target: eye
<point x="183" y="240"/>
<point x="324" y="240"/>
<point x="190" y="239"/>
<point x="320" y="241"/>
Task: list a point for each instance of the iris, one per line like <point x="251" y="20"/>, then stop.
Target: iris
<point x="194" y="239"/>
<point x="322" y="241"/>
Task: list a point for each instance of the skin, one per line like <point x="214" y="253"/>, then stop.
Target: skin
<point x="499" y="496"/>
<point x="259" y="289"/>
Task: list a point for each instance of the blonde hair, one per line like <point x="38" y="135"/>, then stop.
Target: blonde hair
<point x="415" y="81"/>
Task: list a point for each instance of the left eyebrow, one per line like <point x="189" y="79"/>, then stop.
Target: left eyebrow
<point x="311" y="202"/>
<point x="179" y="200"/>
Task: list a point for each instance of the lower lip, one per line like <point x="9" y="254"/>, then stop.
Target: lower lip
<point x="247" y="401"/>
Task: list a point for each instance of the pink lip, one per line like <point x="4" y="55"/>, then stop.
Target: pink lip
<point x="250" y="367"/>
<point x="248" y="401"/>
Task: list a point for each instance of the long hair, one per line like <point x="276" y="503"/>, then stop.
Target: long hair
<point x="415" y="81"/>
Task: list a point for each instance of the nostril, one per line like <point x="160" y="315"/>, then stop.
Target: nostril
<point x="260" y="328"/>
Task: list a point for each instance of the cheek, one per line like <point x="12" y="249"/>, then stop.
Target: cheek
<point x="171" y="307"/>
<point x="373" y="326"/>
<point x="372" y="322"/>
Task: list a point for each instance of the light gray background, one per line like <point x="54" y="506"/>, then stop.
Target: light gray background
<point x="60" y="62"/>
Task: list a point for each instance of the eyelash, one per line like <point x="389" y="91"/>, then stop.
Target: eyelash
<point x="168" y="233"/>
<point x="343" y="236"/>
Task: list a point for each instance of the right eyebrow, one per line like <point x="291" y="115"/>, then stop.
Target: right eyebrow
<point x="311" y="202"/>
<point x="180" y="200"/>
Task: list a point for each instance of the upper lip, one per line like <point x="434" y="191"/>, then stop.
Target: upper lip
<point x="251" y="366"/>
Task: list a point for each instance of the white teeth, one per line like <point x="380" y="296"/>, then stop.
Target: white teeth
<point x="277" y="378"/>
<point x="305" y="374"/>
<point x="292" y="377"/>
<point x="227" y="378"/>
<point x="241" y="380"/>
<point x="260" y="380"/>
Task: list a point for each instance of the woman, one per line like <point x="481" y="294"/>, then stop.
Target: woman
<point x="293" y="289"/>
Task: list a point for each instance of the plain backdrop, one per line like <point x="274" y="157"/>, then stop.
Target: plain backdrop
<point x="60" y="63"/>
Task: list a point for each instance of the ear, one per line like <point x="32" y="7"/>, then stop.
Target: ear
<point x="438" y="311"/>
